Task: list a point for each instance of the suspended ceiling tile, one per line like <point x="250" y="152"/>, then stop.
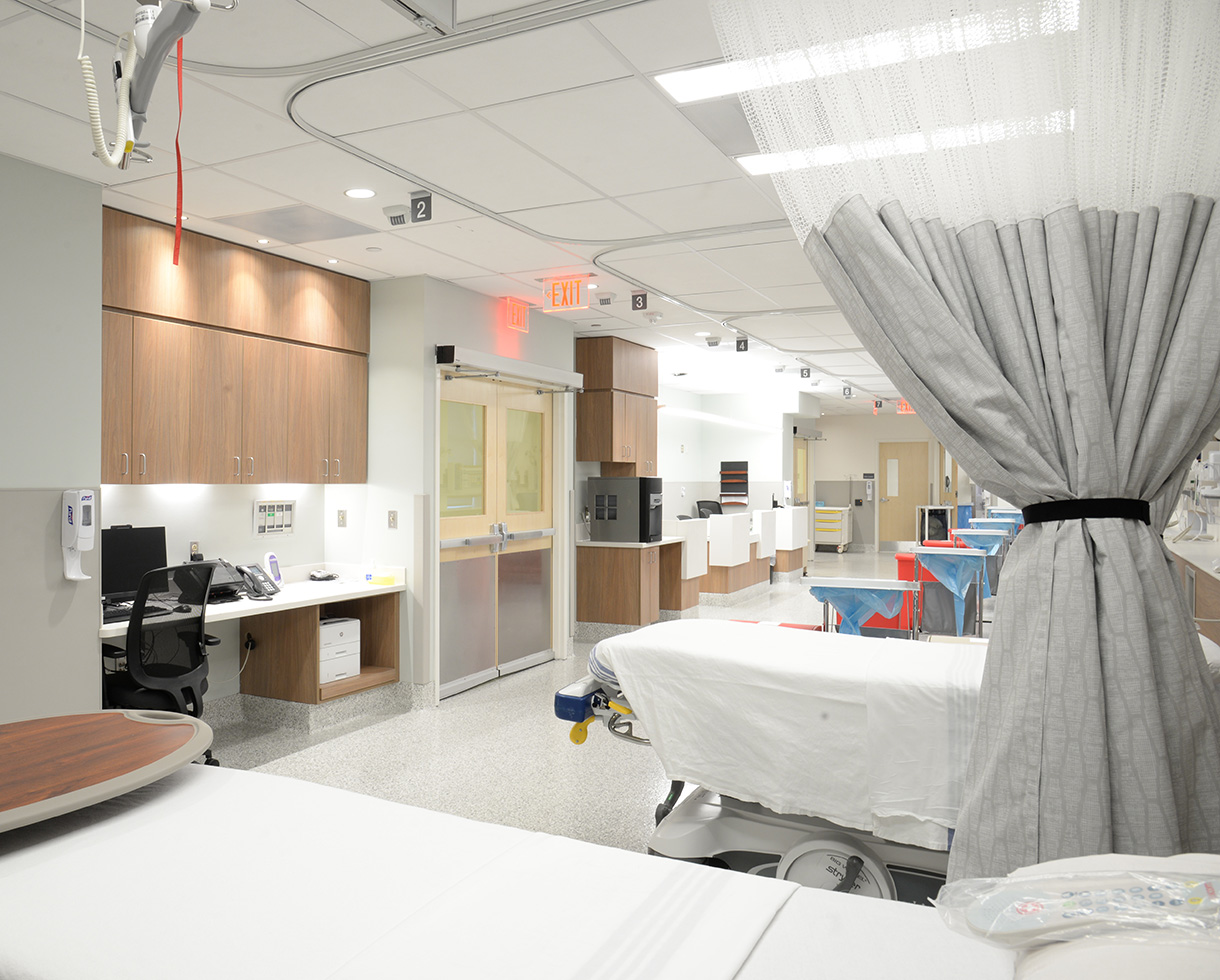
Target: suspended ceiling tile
<point x="777" y="230"/>
<point x="468" y="10"/>
<point x="371" y="23"/>
<point x="490" y="245"/>
<point x="521" y="66"/>
<point x="599" y="221"/>
<point x="617" y="136"/>
<point x="832" y="323"/>
<point x="729" y="301"/>
<point x="370" y="100"/>
<point x="309" y="256"/>
<point x="467" y="157"/>
<point x="775" y="264"/>
<point x="397" y="257"/>
<point x="842" y="362"/>
<point x="207" y="193"/>
<point x="795" y="297"/>
<point x="662" y="34"/>
<point x="268" y="92"/>
<point x="318" y="174"/>
<point x="499" y="286"/>
<point x="242" y="36"/>
<point x="699" y="206"/>
<point x="677" y="274"/>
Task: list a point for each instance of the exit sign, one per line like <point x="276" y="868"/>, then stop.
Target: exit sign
<point x="904" y="407"/>
<point x="565" y="294"/>
<point x="517" y="315"/>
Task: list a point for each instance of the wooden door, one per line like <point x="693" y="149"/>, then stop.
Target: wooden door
<point x="650" y="586"/>
<point x="647" y="437"/>
<point x="349" y="417"/>
<point x="946" y="492"/>
<point x="160" y="401"/>
<point x="903" y="476"/>
<point x="265" y="411"/>
<point x="629" y="418"/>
<point x="216" y="406"/>
<point x="116" y="397"/>
<point x="308" y="420"/>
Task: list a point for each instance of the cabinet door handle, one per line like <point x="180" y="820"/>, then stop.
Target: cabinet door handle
<point x="338" y="468"/>
<point x="237" y="466"/>
<point x="126" y="464"/>
<point x="143" y="464"/>
<point x="251" y="473"/>
<point x="325" y="468"/>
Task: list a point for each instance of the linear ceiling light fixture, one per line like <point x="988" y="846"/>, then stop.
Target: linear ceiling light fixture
<point x="952" y="36"/>
<point x="952" y="137"/>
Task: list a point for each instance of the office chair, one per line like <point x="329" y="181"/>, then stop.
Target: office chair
<point x="708" y="507"/>
<point x="166" y="654"/>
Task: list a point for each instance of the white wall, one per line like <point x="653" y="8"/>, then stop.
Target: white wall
<point x="50" y="435"/>
<point x="851" y="442"/>
<point x="410" y="317"/>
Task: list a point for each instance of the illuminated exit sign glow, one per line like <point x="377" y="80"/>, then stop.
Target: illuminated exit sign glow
<point x="565" y="294"/>
<point x="517" y="315"/>
<point x="904" y="407"/>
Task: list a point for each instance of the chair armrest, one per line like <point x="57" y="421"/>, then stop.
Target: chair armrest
<point x="210" y="641"/>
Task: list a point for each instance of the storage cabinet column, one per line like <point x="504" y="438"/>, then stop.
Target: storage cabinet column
<point x="116" y="397"/>
<point x="616" y="414"/>
<point x="160" y="402"/>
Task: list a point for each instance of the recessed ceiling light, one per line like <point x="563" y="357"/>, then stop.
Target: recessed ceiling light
<point x="592" y="285"/>
<point x="264" y="241"/>
<point x="333" y="261"/>
<point x="373" y="248"/>
<point x="360" y="192"/>
<point x="703" y="333"/>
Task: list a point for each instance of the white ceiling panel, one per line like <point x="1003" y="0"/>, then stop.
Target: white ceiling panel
<point x="831" y="323"/>
<point x="454" y="152"/>
<point x="842" y="362"/>
<point x="477" y="9"/>
<point x="587" y="220"/>
<point x="396" y="256"/>
<point x="775" y="264"/>
<point x="678" y="274"/>
<point x="491" y="245"/>
<point x="370" y="100"/>
<point x="268" y="92"/>
<point x="500" y="286"/>
<point x="301" y="253"/>
<point x="207" y="193"/>
<point x="521" y="66"/>
<point x="370" y="21"/>
<point x="318" y="174"/>
<point x="241" y="36"/>
<point x="781" y="232"/>
<point x="699" y="206"/>
<point x="796" y="297"/>
<point x="617" y="136"/>
<point x="662" y="34"/>
<point x="728" y="301"/>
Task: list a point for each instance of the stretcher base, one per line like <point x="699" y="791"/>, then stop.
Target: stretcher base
<point x="713" y="829"/>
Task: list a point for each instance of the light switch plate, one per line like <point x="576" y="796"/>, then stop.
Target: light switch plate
<point x="393" y="520"/>
<point x="343" y="518"/>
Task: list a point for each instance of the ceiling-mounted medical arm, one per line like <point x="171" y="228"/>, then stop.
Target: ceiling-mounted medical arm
<point x="170" y="24"/>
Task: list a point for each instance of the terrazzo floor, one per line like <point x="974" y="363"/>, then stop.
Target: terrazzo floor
<point x="497" y="753"/>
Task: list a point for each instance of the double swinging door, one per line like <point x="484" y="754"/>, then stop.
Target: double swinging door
<point x="496" y="530"/>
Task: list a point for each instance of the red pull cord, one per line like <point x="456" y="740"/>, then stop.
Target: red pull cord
<point x="178" y="153"/>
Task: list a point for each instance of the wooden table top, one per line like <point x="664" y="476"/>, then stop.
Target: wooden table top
<point x="50" y="766"/>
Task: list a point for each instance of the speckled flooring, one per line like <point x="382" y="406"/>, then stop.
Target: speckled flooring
<point x="497" y="753"/>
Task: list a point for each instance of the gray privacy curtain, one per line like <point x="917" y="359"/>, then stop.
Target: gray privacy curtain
<point x="1072" y="356"/>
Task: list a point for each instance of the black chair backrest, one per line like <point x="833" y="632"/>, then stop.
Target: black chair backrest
<point x="165" y="636"/>
<point x="708" y="507"/>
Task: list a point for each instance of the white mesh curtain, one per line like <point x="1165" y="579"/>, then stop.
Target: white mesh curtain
<point x="1013" y="205"/>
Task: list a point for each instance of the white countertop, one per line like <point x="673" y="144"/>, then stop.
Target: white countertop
<point x="292" y="595"/>
<point x="1201" y="554"/>
<point x="628" y="544"/>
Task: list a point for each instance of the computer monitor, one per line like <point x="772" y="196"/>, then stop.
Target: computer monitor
<point x="127" y="553"/>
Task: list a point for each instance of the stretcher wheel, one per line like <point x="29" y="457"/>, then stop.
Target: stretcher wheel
<point x="823" y="862"/>
<point x="580" y="731"/>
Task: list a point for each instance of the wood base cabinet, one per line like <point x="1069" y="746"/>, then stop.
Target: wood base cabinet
<point x="618" y="585"/>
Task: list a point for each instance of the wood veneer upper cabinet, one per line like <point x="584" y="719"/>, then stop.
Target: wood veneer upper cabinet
<point x="160" y="401"/>
<point x="307" y="414"/>
<point x="138" y="272"/>
<point x="116" y="397"/>
<point x="349" y="417"/>
<point x="611" y="362"/>
<point x="266" y="411"/>
<point x="216" y="405"/>
<point x="646" y="437"/>
<point x="324" y="308"/>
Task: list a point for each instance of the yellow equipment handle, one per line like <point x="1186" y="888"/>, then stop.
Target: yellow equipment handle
<point x="580" y="731"/>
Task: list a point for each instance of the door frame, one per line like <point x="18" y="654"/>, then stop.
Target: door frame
<point x="563" y="558"/>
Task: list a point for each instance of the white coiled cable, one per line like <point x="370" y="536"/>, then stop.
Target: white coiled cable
<point x="123" y="138"/>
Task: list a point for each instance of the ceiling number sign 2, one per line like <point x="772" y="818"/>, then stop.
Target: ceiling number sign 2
<point x="639" y="300"/>
<point x="421" y="206"/>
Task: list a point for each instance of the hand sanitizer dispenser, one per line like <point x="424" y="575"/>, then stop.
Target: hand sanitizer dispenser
<point x="76" y="531"/>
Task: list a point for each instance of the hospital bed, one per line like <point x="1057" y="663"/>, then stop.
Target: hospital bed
<point x="212" y="873"/>
<point x="808" y="749"/>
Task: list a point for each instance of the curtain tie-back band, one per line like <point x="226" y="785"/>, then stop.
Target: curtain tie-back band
<point x="1096" y="507"/>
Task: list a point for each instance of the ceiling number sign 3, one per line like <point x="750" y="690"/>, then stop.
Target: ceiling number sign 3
<point x="639" y="300"/>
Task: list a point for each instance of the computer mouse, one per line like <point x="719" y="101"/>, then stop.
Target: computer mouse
<point x="184" y="608"/>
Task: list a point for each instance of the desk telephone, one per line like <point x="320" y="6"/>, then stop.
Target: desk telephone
<point x="258" y="583"/>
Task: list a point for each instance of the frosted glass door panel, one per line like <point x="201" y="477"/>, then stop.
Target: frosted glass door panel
<point x="523" y="461"/>
<point x="524" y="604"/>
<point x="463" y="459"/>
<point x="468" y="619"/>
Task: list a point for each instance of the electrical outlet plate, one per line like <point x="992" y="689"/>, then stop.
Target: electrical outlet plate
<point x="274" y="516"/>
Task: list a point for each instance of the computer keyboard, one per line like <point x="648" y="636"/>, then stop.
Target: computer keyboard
<point x="122" y="611"/>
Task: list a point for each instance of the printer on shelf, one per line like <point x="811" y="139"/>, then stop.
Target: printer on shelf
<point x="339" y="649"/>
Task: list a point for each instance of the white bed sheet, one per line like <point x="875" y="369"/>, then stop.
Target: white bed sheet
<point x="223" y="873"/>
<point x="869" y="733"/>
